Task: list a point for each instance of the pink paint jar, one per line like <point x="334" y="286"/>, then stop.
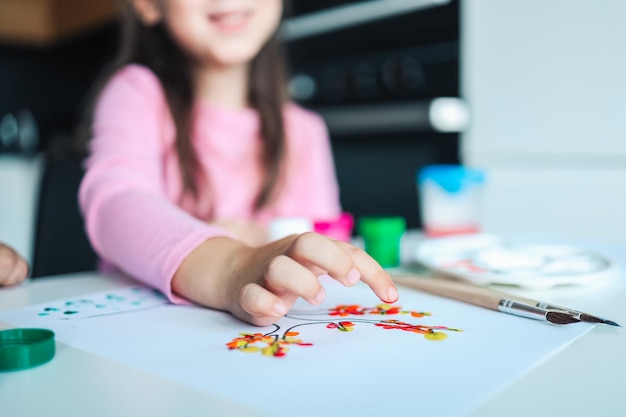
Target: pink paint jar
<point x="338" y="229"/>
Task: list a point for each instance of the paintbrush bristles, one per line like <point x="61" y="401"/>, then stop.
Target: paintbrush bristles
<point x="586" y="317"/>
<point x="593" y="319"/>
<point x="559" y="317"/>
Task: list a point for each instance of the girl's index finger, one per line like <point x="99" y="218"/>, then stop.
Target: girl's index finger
<point x="323" y="255"/>
<point x="373" y="274"/>
<point x="344" y="262"/>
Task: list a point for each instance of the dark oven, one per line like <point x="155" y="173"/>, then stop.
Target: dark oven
<point x="384" y="74"/>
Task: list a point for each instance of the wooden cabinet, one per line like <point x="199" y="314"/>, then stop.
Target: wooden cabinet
<point x="42" y="22"/>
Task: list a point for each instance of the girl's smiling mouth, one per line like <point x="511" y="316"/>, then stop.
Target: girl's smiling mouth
<point x="232" y="21"/>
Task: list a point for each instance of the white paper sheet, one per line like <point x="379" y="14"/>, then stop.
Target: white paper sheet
<point x="369" y="370"/>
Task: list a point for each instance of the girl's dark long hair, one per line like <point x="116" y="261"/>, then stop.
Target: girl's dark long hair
<point x="153" y="47"/>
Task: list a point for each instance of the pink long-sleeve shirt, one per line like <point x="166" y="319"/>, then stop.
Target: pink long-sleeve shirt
<point x="130" y="194"/>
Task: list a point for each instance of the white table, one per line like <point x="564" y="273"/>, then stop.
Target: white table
<point x="587" y="378"/>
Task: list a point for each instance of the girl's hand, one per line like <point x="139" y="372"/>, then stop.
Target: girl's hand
<point x="13" y="268"/>
<point x="259" y="285"/>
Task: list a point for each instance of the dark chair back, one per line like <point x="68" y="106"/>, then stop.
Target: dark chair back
<point x="61" y="244"/>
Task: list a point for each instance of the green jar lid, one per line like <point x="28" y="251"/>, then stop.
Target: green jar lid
<point x="381" y="237"/>
<point x="381" y="225"/>
<point x="25" y="348"/>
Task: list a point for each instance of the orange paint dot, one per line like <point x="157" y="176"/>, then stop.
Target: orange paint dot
<point x="292" y="333"/>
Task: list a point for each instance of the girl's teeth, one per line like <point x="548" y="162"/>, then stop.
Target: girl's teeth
<point x="230" y="19"/>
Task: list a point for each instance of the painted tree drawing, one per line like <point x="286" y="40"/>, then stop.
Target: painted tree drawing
<point x="343" y="318"/>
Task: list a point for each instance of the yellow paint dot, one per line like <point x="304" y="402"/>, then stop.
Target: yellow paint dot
<point x="436" y="336"/>
<point x="250" y="349"/>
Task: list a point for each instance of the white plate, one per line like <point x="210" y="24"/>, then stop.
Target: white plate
<point x="488" y="259"/>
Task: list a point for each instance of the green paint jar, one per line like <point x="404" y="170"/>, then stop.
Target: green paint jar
<point x="381" y="238"/>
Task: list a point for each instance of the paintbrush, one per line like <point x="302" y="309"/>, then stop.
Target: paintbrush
<point x="582" y="316"/>
<point x="586" y="317"/>
<point x="485" y="297"/>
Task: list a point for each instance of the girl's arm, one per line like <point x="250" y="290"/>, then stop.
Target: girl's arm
<point x="128" y="217"/>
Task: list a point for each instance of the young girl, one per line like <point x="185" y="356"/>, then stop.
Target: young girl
<point x="195" y="148"/>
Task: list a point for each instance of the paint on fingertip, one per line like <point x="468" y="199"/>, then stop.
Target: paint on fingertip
<point x="353" y="276"/>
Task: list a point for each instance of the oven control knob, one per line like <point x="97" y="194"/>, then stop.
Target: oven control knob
<point x="302" y="87"/>
<point x="364" y="81"/>
<point x="402" y="74"/>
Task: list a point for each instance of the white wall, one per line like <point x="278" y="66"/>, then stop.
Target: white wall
<point x="19" y="192"/>
<point x="546" y="85"/>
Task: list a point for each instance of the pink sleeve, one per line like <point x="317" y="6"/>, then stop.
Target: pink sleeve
<point x="319" y="190"/>
<point x="129" y="220"/>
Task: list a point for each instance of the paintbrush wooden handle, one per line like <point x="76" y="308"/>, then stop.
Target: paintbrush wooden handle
<point x="468" y="293"/>
<point x="488" y="298"/>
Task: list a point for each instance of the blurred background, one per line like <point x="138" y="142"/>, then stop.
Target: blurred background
<point x="532" y="92"/>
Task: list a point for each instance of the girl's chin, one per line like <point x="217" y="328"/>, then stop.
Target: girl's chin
<point x="232" y="59"/>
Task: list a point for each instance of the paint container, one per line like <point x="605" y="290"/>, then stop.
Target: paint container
<point x="338" y="229"/>
<point x="381" y="238"/>
<point x="450" y="197"/>
<point x="25" y="348"/>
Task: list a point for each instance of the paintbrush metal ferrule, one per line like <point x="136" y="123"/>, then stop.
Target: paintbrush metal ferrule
<point x="517" y="308"/>
<point x="530" y="311"/>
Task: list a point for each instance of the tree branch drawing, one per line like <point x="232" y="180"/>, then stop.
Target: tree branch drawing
<point x="276" y="344"/>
